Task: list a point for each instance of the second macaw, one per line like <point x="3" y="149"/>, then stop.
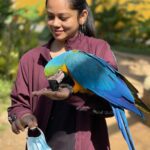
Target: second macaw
<point x="92" y="74"/>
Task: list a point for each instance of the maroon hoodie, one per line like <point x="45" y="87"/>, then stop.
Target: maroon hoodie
<point x="66" y="127"/>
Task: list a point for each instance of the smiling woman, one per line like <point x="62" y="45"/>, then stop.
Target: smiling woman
<point x="67" y="119"/>
<point x="62" y="17"/>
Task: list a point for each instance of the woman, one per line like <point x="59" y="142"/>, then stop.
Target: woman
<point x="62" y="116"/>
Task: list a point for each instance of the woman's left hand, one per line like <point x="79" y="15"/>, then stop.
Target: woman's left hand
<point x="60" y="94"/>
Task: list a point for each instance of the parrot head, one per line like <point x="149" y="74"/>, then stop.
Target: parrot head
<point x="51" y="69"/>
<point x="55" y="65"/>
<point x="58" y="63"/>
<point x="56" y="70"/>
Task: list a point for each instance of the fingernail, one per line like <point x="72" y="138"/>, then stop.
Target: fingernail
<point x="33" y="128"/>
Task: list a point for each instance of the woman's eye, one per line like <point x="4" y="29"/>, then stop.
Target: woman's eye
<point x="50" y="17"/>
<point x="63" y="18"/>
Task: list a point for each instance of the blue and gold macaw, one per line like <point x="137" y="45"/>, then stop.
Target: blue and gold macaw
<point x="92" y="74"/>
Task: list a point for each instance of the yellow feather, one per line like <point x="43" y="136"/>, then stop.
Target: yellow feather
<point x="65" y="69"/>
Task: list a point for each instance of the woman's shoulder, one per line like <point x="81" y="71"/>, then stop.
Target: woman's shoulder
<point x="96" y="44"/>
<point x="34" y="53"/>
<point x="96" y="41"/>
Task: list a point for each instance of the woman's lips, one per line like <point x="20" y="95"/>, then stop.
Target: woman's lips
<point x="58" y="32"/>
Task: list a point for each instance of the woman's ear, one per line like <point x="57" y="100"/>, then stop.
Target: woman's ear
<point x="83" y="17"/>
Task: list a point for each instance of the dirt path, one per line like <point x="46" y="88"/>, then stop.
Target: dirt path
<point x="135" y="68"/>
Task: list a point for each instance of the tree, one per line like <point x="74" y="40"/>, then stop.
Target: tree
<point x="19" y="35"/>
<point x="117" y="24"/>
<point x="4" y="12"/>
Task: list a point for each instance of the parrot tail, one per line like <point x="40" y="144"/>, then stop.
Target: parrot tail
<point x="142" y="106"/>
<point x="138" y="102"/>
<point x="123" y="126"/>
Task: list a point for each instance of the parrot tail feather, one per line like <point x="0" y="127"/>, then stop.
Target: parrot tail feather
<point x="138" y="102"/>
<point x="142" y="106"/>
<point x="123" y="126"/>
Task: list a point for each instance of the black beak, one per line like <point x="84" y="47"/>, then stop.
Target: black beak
<point x="54" y="85"/>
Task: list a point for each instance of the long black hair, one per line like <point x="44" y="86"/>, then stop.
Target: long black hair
<point x="79" y="5"/>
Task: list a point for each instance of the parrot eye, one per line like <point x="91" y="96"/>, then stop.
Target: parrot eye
<point x="59" y="71"/>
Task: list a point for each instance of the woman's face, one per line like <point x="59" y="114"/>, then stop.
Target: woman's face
<point x="62" y="20"/>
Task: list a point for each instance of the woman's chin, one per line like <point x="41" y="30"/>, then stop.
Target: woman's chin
<point x="60" y="37"/>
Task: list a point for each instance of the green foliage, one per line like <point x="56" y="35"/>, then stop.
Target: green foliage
<point x="144" y="30"/>
<point x="28" y="13"/>
<point x="4" y="12"/>
<point x="19" y="35"/>
<point x="5" y="87"/>
<point x="118" y="25"/>
<point x="114" y="21"/>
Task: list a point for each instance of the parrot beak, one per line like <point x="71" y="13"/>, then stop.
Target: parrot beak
<point x="55" y="80"/>
<point x="59" y="76"/>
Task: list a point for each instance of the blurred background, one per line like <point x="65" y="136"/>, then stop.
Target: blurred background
<point x="125" y="24"/>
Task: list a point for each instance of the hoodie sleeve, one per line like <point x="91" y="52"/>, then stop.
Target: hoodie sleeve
<point x="104" y="51"/>
<point x="20" y="94"/>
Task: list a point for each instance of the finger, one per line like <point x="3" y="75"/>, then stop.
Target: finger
<point x="49" y="93"/>
<point x="54" y="95"/>
<point x="14" y="128"/>
<point x="32" y="123"/>
<point x="62" y="92"/>
<point x="46" y="92"/>
<point x="40" y="92"/>
<point x="59" y="95"/>
<point x="19" y="125"/>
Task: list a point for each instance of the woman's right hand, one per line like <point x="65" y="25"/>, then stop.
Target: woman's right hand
<point x="27" y="120"/>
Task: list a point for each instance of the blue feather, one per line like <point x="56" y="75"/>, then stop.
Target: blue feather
<point x="123" y="126"/>
<point x="95" y="74"/>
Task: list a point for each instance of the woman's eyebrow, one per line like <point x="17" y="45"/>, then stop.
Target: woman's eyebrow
<point x="63" y="13"/>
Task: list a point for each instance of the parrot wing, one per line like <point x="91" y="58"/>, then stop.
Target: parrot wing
<point x="96" y="75"/>
<point x="138" y="102"/>
<point x="99" y="77"/>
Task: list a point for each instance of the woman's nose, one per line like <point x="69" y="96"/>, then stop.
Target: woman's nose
<point x="55" y="22"/>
